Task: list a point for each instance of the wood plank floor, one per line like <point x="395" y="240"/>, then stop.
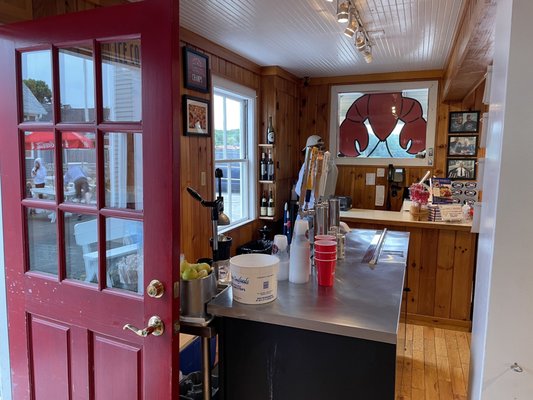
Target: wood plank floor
<point x="433" y="364"/>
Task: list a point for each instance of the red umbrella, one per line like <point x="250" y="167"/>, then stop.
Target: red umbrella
<point x="45" y="141"/>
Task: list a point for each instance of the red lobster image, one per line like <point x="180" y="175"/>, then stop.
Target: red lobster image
<point x="382" y="111"/>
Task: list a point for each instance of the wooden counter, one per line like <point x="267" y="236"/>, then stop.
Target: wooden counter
<point x="441" y="265"/>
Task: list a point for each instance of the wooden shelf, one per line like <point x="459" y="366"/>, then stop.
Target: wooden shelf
<point x="267" y="218"/>
<point x="270" y="146"/>
<point x="268" y="182"/>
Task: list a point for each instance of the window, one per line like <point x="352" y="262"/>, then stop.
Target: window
<point x="234" y="141"/>
<point x="390" y="123"/>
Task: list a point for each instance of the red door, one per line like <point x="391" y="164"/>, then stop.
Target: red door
<point x="89" y="104"/>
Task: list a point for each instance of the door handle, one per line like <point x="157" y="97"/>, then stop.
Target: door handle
<point x="155" y="327"/>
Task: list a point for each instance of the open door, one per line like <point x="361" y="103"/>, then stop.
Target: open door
<point x="89" y="104"/>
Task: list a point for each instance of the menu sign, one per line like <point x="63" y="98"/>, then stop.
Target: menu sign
<point x="196" y="70"/>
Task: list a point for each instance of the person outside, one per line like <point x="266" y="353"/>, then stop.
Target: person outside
<point x="318" y="142"/>
<point x="77" y="175"/>
<point x="38" y="174"/>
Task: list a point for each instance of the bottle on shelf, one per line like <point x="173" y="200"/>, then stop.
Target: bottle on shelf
<point x="263" y="168"/>
<point x="270" y="167"/>
<point x="264" y="206"/>
<point x="270" y="131"/>
<point x="270" y="207"/>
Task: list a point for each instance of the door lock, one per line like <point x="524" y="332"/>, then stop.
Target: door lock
<point x="155" y="327"/>
<point x="155" y="289"/>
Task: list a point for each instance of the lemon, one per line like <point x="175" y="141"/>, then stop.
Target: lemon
<point x="189" y="274"/>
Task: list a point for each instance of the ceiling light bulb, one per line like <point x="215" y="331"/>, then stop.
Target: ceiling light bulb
<point x="352" y="26"/>
<point x="343" y="11"/>
<point x="367" y="54"/>
<point x="360" y="40"/>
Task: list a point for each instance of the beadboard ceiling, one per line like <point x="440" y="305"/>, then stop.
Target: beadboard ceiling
<point x="304" y="37"/>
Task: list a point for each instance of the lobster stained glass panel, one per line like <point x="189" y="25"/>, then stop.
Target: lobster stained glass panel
<point x="382" y="124"/>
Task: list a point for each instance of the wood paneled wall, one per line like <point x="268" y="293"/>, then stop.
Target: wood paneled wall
<point x="197" y="153"/>
<point x="315" y="116"/>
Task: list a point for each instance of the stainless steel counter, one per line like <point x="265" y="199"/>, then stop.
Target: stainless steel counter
<point x="363" y="302"/>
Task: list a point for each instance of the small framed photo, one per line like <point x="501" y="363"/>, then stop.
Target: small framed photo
<point x="462" y="146"/>
<point x="464" y="122"/>
<point x="195" y="116"/>
<point x="461" y="168"/>
<point x="195" y="70"/>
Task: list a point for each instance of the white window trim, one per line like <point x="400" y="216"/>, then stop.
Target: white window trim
<point x="431" y="129"/>
<point x="249" y="94"/>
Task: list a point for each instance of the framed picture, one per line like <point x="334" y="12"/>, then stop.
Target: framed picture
<point x="460" y="146"/>
<point x="464" y="122"/>
<point x="195" y="116"/>
<point x="461" y="168"/>
<point x="195" y="70"/>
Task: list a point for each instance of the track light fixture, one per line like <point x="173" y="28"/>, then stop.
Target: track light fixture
<point x="347" y="12"/>
<point x="343" y="11"/>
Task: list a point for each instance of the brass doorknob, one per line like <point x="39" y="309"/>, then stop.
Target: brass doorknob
<point x="155" y="289"/>
<point x="155" y="327"/>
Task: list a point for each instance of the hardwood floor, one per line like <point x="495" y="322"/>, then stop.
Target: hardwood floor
<point x="433" y="364"/>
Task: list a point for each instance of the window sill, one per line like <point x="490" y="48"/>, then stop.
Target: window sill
<point x="231" y="228"/>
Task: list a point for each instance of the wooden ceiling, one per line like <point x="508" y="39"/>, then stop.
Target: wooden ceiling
<point x="303" y="37"/>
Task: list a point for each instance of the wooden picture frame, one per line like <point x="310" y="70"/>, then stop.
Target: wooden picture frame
<point x="195" y="70"/>
<point x="462" y="146"/>
<point x="463" y="169"/>
<point x="196" y="116"/>
<point x="463" y="122"/>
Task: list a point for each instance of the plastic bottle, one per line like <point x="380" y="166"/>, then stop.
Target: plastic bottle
<point x="300" y="263"/>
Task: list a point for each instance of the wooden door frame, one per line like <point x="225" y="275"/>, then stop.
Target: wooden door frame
<point x="158" y="23"/>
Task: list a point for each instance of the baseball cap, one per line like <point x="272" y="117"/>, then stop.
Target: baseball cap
<point x="313" y="140"/>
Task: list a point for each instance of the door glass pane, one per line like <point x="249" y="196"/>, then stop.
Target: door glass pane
<point x="42" y="240"/>
<point x="81" y="247"/>
<point x="39" y="165"/>
<point x="124" y="255"/>
<point x="79" y="167"/>
<point x="123" y="170"/>
<point x="121" y="80"/>
<point x="37" y="86"/>
<point x="76" y="81"/>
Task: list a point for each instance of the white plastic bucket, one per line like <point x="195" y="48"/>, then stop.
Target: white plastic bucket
<point x="253" y="278"/>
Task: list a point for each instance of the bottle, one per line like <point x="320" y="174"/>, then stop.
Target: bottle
<point x="270" y="207"/>
<point x="270" y="131"/>
<point x="270" y="167"/>
<point x="264" y="206"/>
<point x="263" y="168"/>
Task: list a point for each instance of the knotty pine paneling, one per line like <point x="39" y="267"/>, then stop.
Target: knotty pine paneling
<point x="315" y="116"/>
<point x="197" y="156"/>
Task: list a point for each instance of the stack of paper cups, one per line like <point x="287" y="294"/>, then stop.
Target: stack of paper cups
<point x="300" y="263"/>
<point x="280" y="249"/>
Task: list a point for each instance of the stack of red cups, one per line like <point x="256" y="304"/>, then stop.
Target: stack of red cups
<point x="325" y="259"/>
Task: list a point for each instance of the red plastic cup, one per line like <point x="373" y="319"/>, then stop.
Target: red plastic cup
<point x="325" y="237"/>
<point x="326" y="255"/>
<point x="325" y="272"/>
<point x="325" y="246"/>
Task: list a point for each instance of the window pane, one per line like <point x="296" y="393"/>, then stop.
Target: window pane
<point x="235" y="201"/>
<point x="40" y="165"/>
<point x="124" y="258"/>
<point x="81" y="246"/>
<point x="234" y="129"/>
<point x="79" y="167"/>
<point x="76" y="80"/>
<point x="383" y="125"/>
<point x="42" y="241"/>
<point x="37" y="86"/>
<point x="123" y="170"/>
<point x="121" y="80"/>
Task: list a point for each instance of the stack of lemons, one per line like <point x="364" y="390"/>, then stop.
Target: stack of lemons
<point x="190" y="272"/>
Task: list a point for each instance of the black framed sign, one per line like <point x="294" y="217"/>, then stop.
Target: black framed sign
<point x="461" y="168"/>
<point x="195" y="116"/>
<point x="464" y="122"/>
<point x="195" y="70"/>
<point x="462" y="146"/>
